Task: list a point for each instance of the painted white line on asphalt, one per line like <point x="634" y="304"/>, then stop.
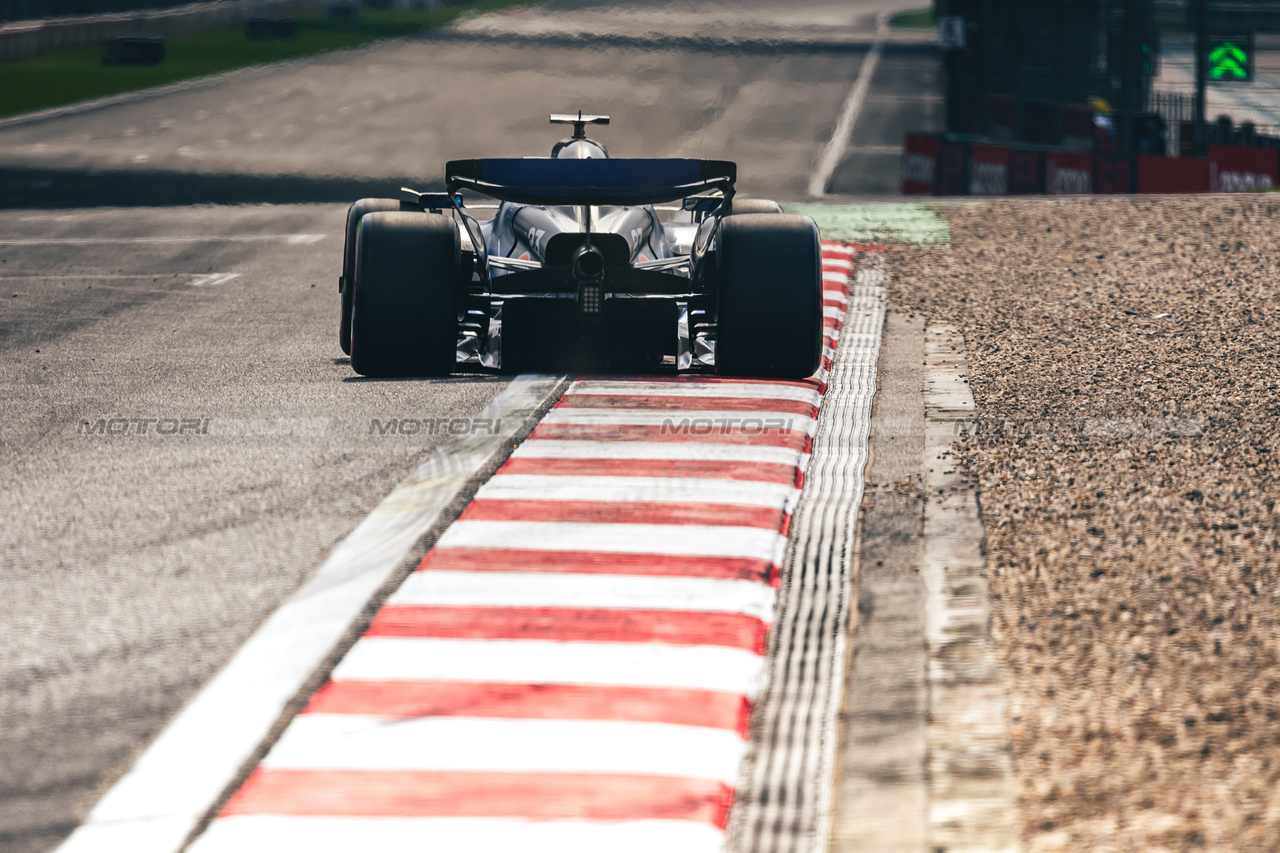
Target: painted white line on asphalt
<point x="536" y="487"/>
<point x="655" y="665"/>
<point x="278" y="834"/>
<point x="155" y="806"/>
<point x="431" y="588"/>
<point x="483" y="745"/>
<point x="833" y="153"/>
<point x="691" y="540"/>
<point x="656" y="450"/>
<point x="291" y="239"/>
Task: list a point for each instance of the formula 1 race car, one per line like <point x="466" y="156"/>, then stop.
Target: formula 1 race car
<point x="580" y="267"/>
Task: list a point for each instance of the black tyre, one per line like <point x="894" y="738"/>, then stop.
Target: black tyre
<point x="404" y="319"/>
<point x="354" y="214"/>
<point x="753" y="205"/>
<point x="769" y="296"/>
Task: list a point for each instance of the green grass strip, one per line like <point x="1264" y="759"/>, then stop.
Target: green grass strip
<point x="878" y="224"/>
<point x="914" y="19"/>
<point x="63" y="77"/>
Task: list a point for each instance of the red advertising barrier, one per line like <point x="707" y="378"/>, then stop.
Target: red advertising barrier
<point x="919" y="164"/>
<point x="1068" y="173"/>
<point x="988" y="169"/>
<point x="1112" y="175"/>
<point x="1026" y="171"/>
<point x="1172" y="174"/>
<point x="1237" y="168"/>
<point x="950" y="176"/>
<point x="1077" y="128"/>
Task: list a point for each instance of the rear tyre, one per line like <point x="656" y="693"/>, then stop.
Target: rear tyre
<point x="769" y="296"/>
<point x="753" y="205"/>
<point x="354" y="214"/>
<point x="404" y="319"/>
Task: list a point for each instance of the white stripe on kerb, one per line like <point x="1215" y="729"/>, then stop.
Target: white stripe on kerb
<point x="838" y="263"/>
<point x="656" y="450"/>
<point x="280" y="834"/>
<point x="749" y="422"/>
<point x="740" y="390"/>
<point x="685" y="539"/>
<point x="841" y="277"/>
<point x="533" y="487"/>
<point x="657" y="665"/>
<point x="478" y="745"/>
<point x="430" y="588"/>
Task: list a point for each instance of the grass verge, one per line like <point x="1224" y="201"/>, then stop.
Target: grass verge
<point x="913" y="19"/>
<point x="64" y="77"/>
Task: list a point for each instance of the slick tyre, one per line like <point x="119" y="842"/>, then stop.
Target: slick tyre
<point x="355" y="213"/>
<point x="769" y="296"/>
<point x="404" y="319"/>
<point x="753" y="205"/>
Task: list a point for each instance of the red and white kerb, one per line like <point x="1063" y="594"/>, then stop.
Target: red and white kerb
<point x="572" y="667"/>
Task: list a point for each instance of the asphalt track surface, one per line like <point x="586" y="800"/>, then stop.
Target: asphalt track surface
<point x="135" y="564"/>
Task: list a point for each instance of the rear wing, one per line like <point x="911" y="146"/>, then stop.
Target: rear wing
<point x="600" y="182"/>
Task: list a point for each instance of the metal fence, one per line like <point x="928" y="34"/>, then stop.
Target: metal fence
<point x="1043" y="71"/>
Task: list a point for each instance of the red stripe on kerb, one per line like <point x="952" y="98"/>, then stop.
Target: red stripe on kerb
<point x="832" y="323"/>
<point x="625" y="512"/>
<point x="469" y="559"/>
<point x="795" y="439"/>
<point x="662" y="401"/>
<point x="832" y="303"/>
<point x="573" y="624"/>
<point x="762" y="472"/>
<point x="541" y="796"/>
<point x="713" y="709"/>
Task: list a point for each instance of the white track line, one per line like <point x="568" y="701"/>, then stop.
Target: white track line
<point x="547" y="589"/>
<point x="654" y="665"/>
<point x="834" y="152"/>
<point x="690" y="540"/>
<point x="534" y="487"/>
<point x="674" y="417"/>
<point x="275" y="834"/>
<point x="177" y="780"/>
<point x="482" y="745"/>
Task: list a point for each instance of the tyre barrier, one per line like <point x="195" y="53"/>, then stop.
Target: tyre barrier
<point x="133" y="50"/>
<point x="256" y="29"/>
<point x="946" y="164"/>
